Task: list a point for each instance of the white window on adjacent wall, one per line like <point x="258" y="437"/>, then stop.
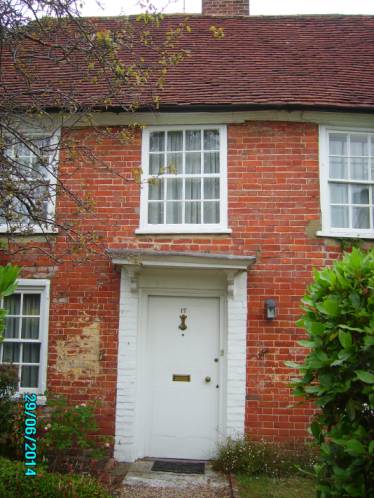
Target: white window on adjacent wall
<point x="347" y="182"/>
<point x="32" y="166"/>
<point x="184" y="187"/>
<point x="25" y="341"/>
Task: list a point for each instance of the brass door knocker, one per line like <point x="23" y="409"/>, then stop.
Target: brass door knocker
<point x="183" y="317"/>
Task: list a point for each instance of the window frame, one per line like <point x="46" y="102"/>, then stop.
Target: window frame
<point x="144" y="226"/>
<point x="42" y="286"/>
<point x="55" y="135"/>
<point x="327" y="230"/>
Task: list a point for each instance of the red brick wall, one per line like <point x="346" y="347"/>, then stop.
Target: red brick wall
<point x="225" y="7"/>
<point x="273" y="190"/>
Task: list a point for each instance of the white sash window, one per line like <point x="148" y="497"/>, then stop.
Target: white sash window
<point x="184" y="186"/>
<point x="347" y="182"/>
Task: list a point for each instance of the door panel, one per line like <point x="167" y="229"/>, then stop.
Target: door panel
<point x="183" y="410"/>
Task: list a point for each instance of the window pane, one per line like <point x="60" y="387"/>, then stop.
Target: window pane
<point x="193" y="188"/>
<point x="211" y="140"/>
<point x="175" y="188"/>
<point x="359" y="145"/>
<point x="40" y="157"/>
<point x="13" y="304"/>
<point x="359" y="168"/>
<point x="211" y="162"/>
<point x="31" y="304"/>
<point x="339" y="168"/>
<point x="157" y="164"/>
<point x="157" y="141"/>
<point x="155" y="213"/>
<point x="360" y="218"/>
<point x="193" y="140"/>
<point x="29" y="376"/>
<point x="33" y="158"/>
<point x="174" y="163"/>
<point x="360" y="194"/>
<point x="211" y="188"/>
<point x="31" y="353"/>
<point x="338" y="144"/>
<point x="156" y="189"/>
<point x="193" y="212"/>
<point x="193" y="162"/>
<point x="339" y="217"/>
<point x="174" y="212"/>
<point x="211" y="212"/>
<point x="11" y="352"/>
<point x="23" y="156"/>
<point x="41" y="200"/>
<point x="338" y="193"/>
<point x="11" y="328"/>
<point x="175" y="140"/>
<point x="30" y="328"/>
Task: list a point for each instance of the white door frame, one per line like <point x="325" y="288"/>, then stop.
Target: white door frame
<point x="129" y="435"/>
<point x="142" y="430"/>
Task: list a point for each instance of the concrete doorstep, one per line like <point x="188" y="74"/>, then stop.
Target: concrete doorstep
<point x="142" y="482"/>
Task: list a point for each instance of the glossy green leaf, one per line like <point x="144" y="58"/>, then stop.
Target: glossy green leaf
<point x="354" y="447"/>
<point x="369" y="340"/>
<point x="307" y="344"/>
<point x="8" y="276"/>
<point x="365" y="376"/>
<point x="329" y="307"/>
<point x="345" y="339"/>
<point x="292" y="364"/>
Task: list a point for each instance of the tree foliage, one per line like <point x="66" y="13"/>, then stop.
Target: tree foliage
<point x="57" y="70"/>
<point x="8" y="284"/>
<point x="338" y="373"/>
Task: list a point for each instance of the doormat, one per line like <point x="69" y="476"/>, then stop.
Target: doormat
<point x="179" y="467"/>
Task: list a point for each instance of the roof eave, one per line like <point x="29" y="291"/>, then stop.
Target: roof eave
<point x="356" y="108"/>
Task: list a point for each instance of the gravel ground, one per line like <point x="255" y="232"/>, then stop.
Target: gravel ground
<point x="190" y="492"/>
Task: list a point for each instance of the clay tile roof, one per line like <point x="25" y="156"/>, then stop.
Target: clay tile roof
<point x="324" y="62"/>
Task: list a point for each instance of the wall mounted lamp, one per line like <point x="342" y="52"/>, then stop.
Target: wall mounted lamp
<point x="270" y="309"/>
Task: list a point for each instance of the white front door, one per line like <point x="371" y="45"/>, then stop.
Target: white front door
<point x="182" y="376"/>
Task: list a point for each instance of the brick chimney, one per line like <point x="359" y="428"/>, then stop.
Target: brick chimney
<point x="225" y="7"/>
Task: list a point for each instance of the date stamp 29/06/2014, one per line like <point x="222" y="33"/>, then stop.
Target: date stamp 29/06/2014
<point x="30" y="445"/>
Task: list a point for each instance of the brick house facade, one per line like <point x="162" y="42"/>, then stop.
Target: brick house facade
<point x="273" y="239"/>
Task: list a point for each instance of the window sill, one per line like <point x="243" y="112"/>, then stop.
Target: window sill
<point x="41" y="399"/>
<point x="345" y="234"/>
<point x="29" y="232"/>
<point x="182" y="230"/>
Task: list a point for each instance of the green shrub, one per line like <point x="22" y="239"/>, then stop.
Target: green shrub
<point x="14" y="484"/>
<point x="338" y="374"/>
<point x="66" y="435"/>
<point x="8" y="374"/>
<point x="8" y="386"/>
<point x="245" y="456"/>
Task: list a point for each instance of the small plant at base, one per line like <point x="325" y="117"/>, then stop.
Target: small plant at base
<point x="67" y="433"/>
<point x="14" y="484"/>
<point x="245" y="456"/>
